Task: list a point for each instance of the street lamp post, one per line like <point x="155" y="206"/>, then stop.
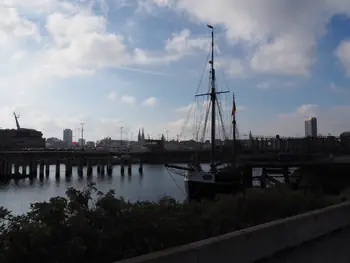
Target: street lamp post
<point x="121" y="134"/>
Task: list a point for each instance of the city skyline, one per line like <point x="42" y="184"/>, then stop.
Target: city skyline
<point x="134" y="64"/>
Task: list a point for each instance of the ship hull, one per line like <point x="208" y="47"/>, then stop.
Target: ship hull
<point x="205" y="185"/>
<point x="202" y="190"/>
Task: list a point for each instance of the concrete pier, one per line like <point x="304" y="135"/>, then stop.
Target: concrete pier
<point x="68" y="167"/>
<point x="16" y="169"/>
<point x="110" y="166"/>
<point x="140" y="168"/>
<point x="99" y="167"/>
<point x="89" y="168"/>
<point x="33" y="170"/>
<point x="24" y="170"/>
<point x="58" y="168"/>
<point x="41" y="168"/>
<point x="47" y="169"/>
<point x="80" y="167"/>
<point x="102" y="167"/>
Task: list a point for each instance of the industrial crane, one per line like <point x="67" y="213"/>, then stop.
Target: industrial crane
<point x="16" y="119"/>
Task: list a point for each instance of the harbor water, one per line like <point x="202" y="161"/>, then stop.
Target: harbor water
<point x="155" y="182"/>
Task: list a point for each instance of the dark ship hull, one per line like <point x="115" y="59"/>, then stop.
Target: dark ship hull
<point x="200" y="186"/>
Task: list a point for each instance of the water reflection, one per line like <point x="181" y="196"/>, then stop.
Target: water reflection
<point x="153" y="183"/>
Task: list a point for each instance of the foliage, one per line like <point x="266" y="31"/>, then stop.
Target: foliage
<point x="77" y="229"/>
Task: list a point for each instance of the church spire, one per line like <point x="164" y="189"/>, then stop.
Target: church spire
<point x="143" y="134"/>
<point x="139" y="136"/>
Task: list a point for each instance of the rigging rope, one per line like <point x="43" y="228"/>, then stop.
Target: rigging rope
<point x="205" y="122"/>
<point x="177" y="185"/>
<point x="198" y="86"/>
<point x="222" y="121"/>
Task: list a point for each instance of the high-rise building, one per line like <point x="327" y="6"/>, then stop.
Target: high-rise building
<point x="311" y="127"/>
<point x="68" y="137"/>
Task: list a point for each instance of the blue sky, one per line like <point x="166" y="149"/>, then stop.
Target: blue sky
<point x="137" y="63"/>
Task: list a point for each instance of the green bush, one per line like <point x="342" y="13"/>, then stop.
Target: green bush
<point x="78" y="229"/>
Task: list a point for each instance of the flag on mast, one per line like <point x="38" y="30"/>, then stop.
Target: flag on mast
<point x="234" y="106"/>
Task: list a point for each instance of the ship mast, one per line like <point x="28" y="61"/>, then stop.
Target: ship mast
<point x="213" y="96"/>
<point x="234" y="146"/>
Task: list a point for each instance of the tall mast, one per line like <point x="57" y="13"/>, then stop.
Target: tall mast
<point x="213" y="93"/>
<point x="234" y="129"/>
<point x="212" y="97"/>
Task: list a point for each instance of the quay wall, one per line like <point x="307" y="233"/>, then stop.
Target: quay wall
<point x="318" y="236"/>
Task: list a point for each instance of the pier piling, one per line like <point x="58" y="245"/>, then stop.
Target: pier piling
<point x="24" y="170"/>
<point x="80" y="167"/>
<point x="89" y="168"/>
<point x="47" y="168"/>
<point x="68" y="168"/>
<point x="16" y="171"/>
<point x="58" y="166"/>
<point x="33" y="170"/>
<point x="110" y="166"/>
<point x="41" y="168"/>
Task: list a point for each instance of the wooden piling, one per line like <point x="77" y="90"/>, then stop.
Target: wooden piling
<point x="47" y="168"/>
<point x="58" y="168"/>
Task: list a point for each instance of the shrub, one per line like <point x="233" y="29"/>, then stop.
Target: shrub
<point x="77" y="229"/>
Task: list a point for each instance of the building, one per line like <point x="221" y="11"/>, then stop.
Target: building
<point x="90" y="144"/>
<point x="68" y="137"/>
<point x="11" y="139"/>
<point x="55" y="143"/>
<point x="311" y="127"/>
<point x="81" y="142"/>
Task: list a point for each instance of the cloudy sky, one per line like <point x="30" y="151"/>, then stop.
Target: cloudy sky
<point x="137" y="63"/>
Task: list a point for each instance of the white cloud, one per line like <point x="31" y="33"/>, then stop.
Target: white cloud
<point x="280" y="36"/>
<point x="183" y="44"/>
<point x="271" y="84"/>
<point x="343" y="54"/>
<point x="127" y="99"/>
<point x="288" y="55"/>
<point x="185" y="109"/>
<point x="151" y="101"/>
<point x="112" y="96"/>
<point x="18" y="55"/>
<point x="235" y="67"/>
<point x="13" y="27"/>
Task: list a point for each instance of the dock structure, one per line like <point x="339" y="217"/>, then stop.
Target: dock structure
<point x="20" y="165"/>
<point x="295" y="170"/>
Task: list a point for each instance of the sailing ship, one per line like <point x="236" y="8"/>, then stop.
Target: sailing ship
<point x="221" y="178"/>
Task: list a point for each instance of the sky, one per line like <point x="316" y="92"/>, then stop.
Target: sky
<point x="137" y="64"/>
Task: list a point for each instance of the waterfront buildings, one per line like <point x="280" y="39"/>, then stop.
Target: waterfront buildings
<point x="68" y="137"/>
<point x="311" y="127"/>
<point x="16" y="139"/>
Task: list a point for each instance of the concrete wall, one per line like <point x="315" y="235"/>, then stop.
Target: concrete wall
<point x="303" y="238"/>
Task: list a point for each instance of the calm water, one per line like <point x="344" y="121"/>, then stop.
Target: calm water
<point x="153" y="184"/>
